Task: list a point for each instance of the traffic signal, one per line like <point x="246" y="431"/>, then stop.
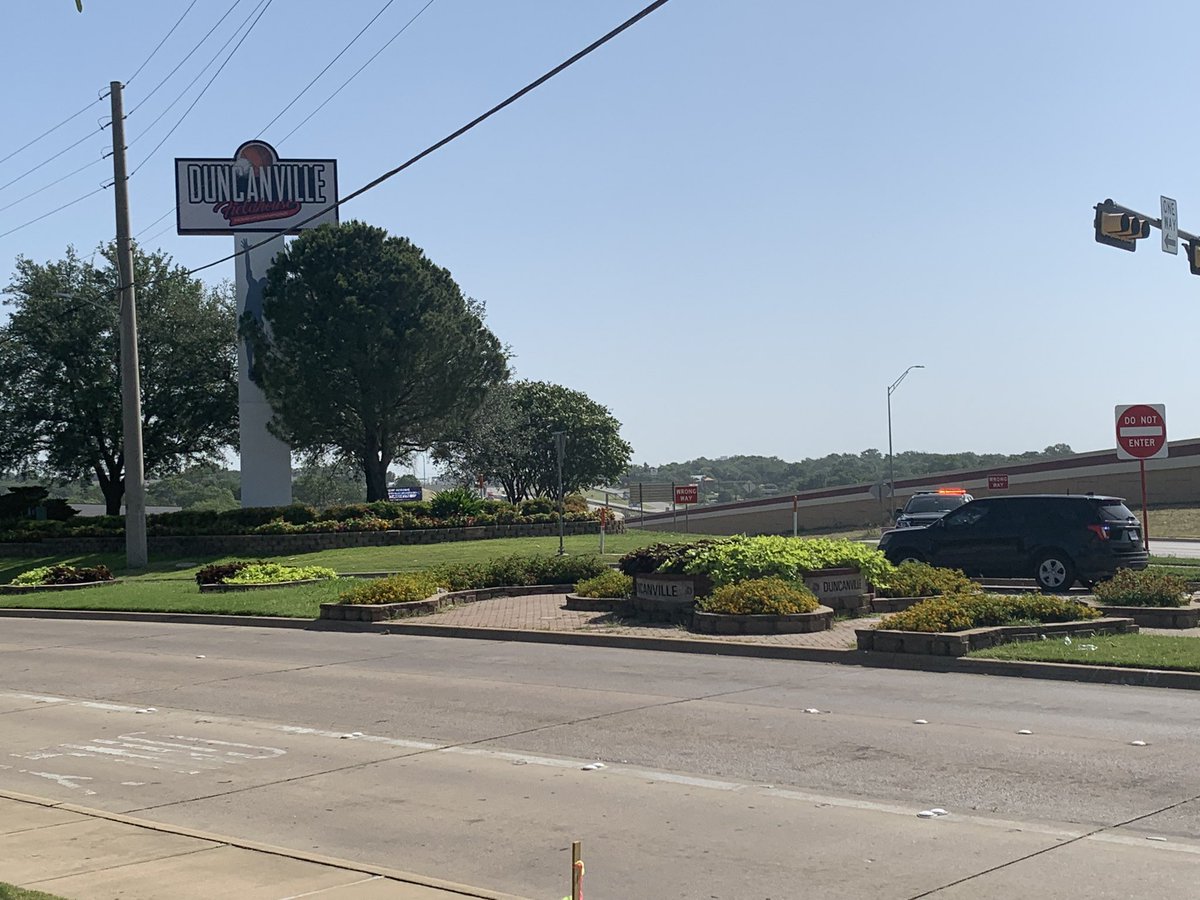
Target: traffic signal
<point x="1193" y="255"/>
<point x="1118" y="227"/>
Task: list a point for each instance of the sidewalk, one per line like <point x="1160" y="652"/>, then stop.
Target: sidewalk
<point x="86" y="854"/>
<point x="544" y="612"/>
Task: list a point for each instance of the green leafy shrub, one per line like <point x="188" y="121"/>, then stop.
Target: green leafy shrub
<point x="957" y="612"/>
<point x="51" y="575"/>
<point x="537" y="506"/>
<point x="665" y="558"/>
<point x="918" y="579"/>
<point x="517" y="570"/>
<point x="459" y="501"/>
<point x="403" y="588"/>
<point x="274" y="573"/>
<point x="746" y="558"/>
<point x="760" y="597"/>
<point x="1146" y="588"/>
<point x="218" y="572"/>
<point x="610" y="583"/>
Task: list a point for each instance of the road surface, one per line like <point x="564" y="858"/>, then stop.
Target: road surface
<point x="723" y="778"/>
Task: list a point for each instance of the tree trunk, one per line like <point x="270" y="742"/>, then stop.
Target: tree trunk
<point x="376" y="473"/>
<point x="113" y="490"/>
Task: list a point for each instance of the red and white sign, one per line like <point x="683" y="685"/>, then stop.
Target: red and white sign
<point x="998" y="482"/>
<point x="687" y="493"/>
<point x="1142" y="431"/>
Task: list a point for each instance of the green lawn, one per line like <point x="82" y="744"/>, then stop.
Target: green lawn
<point x="12" y="892"/>
<point x="169" y="585"/>
<point x="1139" y="651"/>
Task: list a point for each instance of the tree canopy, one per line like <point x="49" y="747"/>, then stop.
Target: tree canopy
<point x="60" y="406"/>
<point x="511" y="441"/>
<point x="368" y="350"/>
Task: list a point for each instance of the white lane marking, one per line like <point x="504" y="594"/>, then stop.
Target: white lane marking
<point x="1048" y="830"/>
<point x="63" y="780"/>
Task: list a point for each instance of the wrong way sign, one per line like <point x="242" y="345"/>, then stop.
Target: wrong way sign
<point x="1142" y="431"/>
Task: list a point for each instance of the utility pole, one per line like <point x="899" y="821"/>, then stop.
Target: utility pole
<point x="131" y="391"/>
<point x="891" y="460"/>
<point x="560" y="444"/>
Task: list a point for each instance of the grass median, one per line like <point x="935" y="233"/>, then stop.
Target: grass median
<point x="1136" y="651"/>
<point x="12" y="892"/>
<point x="169" y="584"/>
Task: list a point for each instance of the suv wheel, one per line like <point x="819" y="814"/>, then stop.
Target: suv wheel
<point x="904" y="555"/>
<point x="1054" y="571"/>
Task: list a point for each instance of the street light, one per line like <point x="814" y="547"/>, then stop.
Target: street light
<point x="560" y="445"/>
<point x="891" y="460"/>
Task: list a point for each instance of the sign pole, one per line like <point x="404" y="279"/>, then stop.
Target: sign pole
<point x="603" y="525"/>
<point x="1145" y="509"/>
<point x="795" y="516"/>
<point x="674" y="510"/>
<point x="687" y="525"/>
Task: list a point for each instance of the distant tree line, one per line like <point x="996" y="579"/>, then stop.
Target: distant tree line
<point x="738" y="477"/>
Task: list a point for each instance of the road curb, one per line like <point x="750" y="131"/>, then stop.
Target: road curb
<point x="255" y="846"/>
<point x="867" y="658"/>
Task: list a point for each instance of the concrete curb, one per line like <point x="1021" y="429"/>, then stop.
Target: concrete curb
<point x="869" y="658"/>
<point x="255" y="846"/>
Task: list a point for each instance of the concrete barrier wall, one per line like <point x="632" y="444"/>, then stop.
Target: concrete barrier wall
<point x="1175" y="480"/>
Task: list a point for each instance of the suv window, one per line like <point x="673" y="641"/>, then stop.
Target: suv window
<point x="981" y="515"/>
<point x="924" y="503"/>
<point x="1115" y="511"/>
<point x="1051" y="512"/>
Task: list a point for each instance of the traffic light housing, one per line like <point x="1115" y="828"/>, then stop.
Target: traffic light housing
<point x="1120" y="228"/>
<point x="1193" y="255"/>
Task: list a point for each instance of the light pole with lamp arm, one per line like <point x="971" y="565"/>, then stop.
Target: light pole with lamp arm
<point x="891" y="459"/>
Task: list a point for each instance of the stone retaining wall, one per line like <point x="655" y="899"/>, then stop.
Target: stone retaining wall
<point x="1157" y="616"/>
<point x="959" y="643"/>
<point x="363" y="612"/>
<point x="254" y="545"/>
<point x="797" y="623"/>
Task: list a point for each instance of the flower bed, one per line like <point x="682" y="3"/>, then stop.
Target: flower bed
<point x="761" y="606"/>
<point x="244" y="575"/>
<point x="820" y="619"/>
<point x="959" y="643"/>
<point x="1152" y="599"/>
<point x="58" y="578"/>
<point x="352" y="612"/>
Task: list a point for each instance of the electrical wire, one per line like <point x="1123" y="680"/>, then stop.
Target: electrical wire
<point x="160" y="43"/>
<point x="357" y="72"/>
<point x="361" y="32"/>
<point x="180" y="64"/>
<point x="192" y="106"/>
<point x="155" y="222"/>
<point x="196" y="77"/>
<point x="56" y="209"/>
<point x="50" y="131"/>
<point x="51" y="159"/>
<point x="52" y="184"/>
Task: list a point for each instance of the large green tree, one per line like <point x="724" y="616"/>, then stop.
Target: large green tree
<point x="60" y="388"/>
<point x="368" y="350"/>
<point x="511" y="441"/>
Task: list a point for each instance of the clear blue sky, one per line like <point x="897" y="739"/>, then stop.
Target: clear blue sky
<point x="735" y="225"/>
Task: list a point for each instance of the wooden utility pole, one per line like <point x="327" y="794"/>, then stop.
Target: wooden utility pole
<point x="131" y="392"/>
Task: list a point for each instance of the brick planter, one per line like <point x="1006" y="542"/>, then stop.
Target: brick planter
<point x="797" y="623"/>
<point x="895" y="604"/>
<point x="959" y="643"/>
<point x="667" y="598"/>
<point x="35" y="588"/>
<point x="378" y="612"/>
<point x="1157" y="616"/>
<point x="597" y="604"/>
<point x="234" y="588"/>
<point x="845" y="590"/>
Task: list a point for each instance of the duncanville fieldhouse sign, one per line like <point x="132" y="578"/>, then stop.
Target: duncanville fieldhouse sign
<point x="254" y="191"/>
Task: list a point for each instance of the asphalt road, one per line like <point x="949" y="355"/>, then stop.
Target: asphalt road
<point x="464" y="760"/>
<point x="1190" y="549"/>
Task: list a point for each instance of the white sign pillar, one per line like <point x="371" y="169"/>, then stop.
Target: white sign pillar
<point x="266" y="460"/>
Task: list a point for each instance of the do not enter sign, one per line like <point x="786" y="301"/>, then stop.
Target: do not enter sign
<point x="1142" y="431"/>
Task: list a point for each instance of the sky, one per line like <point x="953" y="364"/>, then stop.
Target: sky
<point x="734" y="226"/>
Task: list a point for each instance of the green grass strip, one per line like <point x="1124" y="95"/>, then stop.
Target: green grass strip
<point x="1135" y="651"/>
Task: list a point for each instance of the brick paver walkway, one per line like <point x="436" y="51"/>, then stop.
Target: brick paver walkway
<point x="544" y="612"/>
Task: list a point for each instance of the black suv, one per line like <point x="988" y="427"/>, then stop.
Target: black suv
<point x="1053" y="538"/>
<point x="926" y="507"/>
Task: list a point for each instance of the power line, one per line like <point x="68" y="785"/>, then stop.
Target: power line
<point x="51" y="159"/>
<point x="155" y="222"/>
<point x="52" y="184"/>
<point x="511" y="99"/>
<point x="50" y="131"/>
<point x="357" y="72"/>
<point x="180" y="64"/>
<point x="146" y="159"/>
<point x="196" y="77"/>
<point x="160" y="43"/>
<point x="56" y="209"/>
<point x="361" y="32"/>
